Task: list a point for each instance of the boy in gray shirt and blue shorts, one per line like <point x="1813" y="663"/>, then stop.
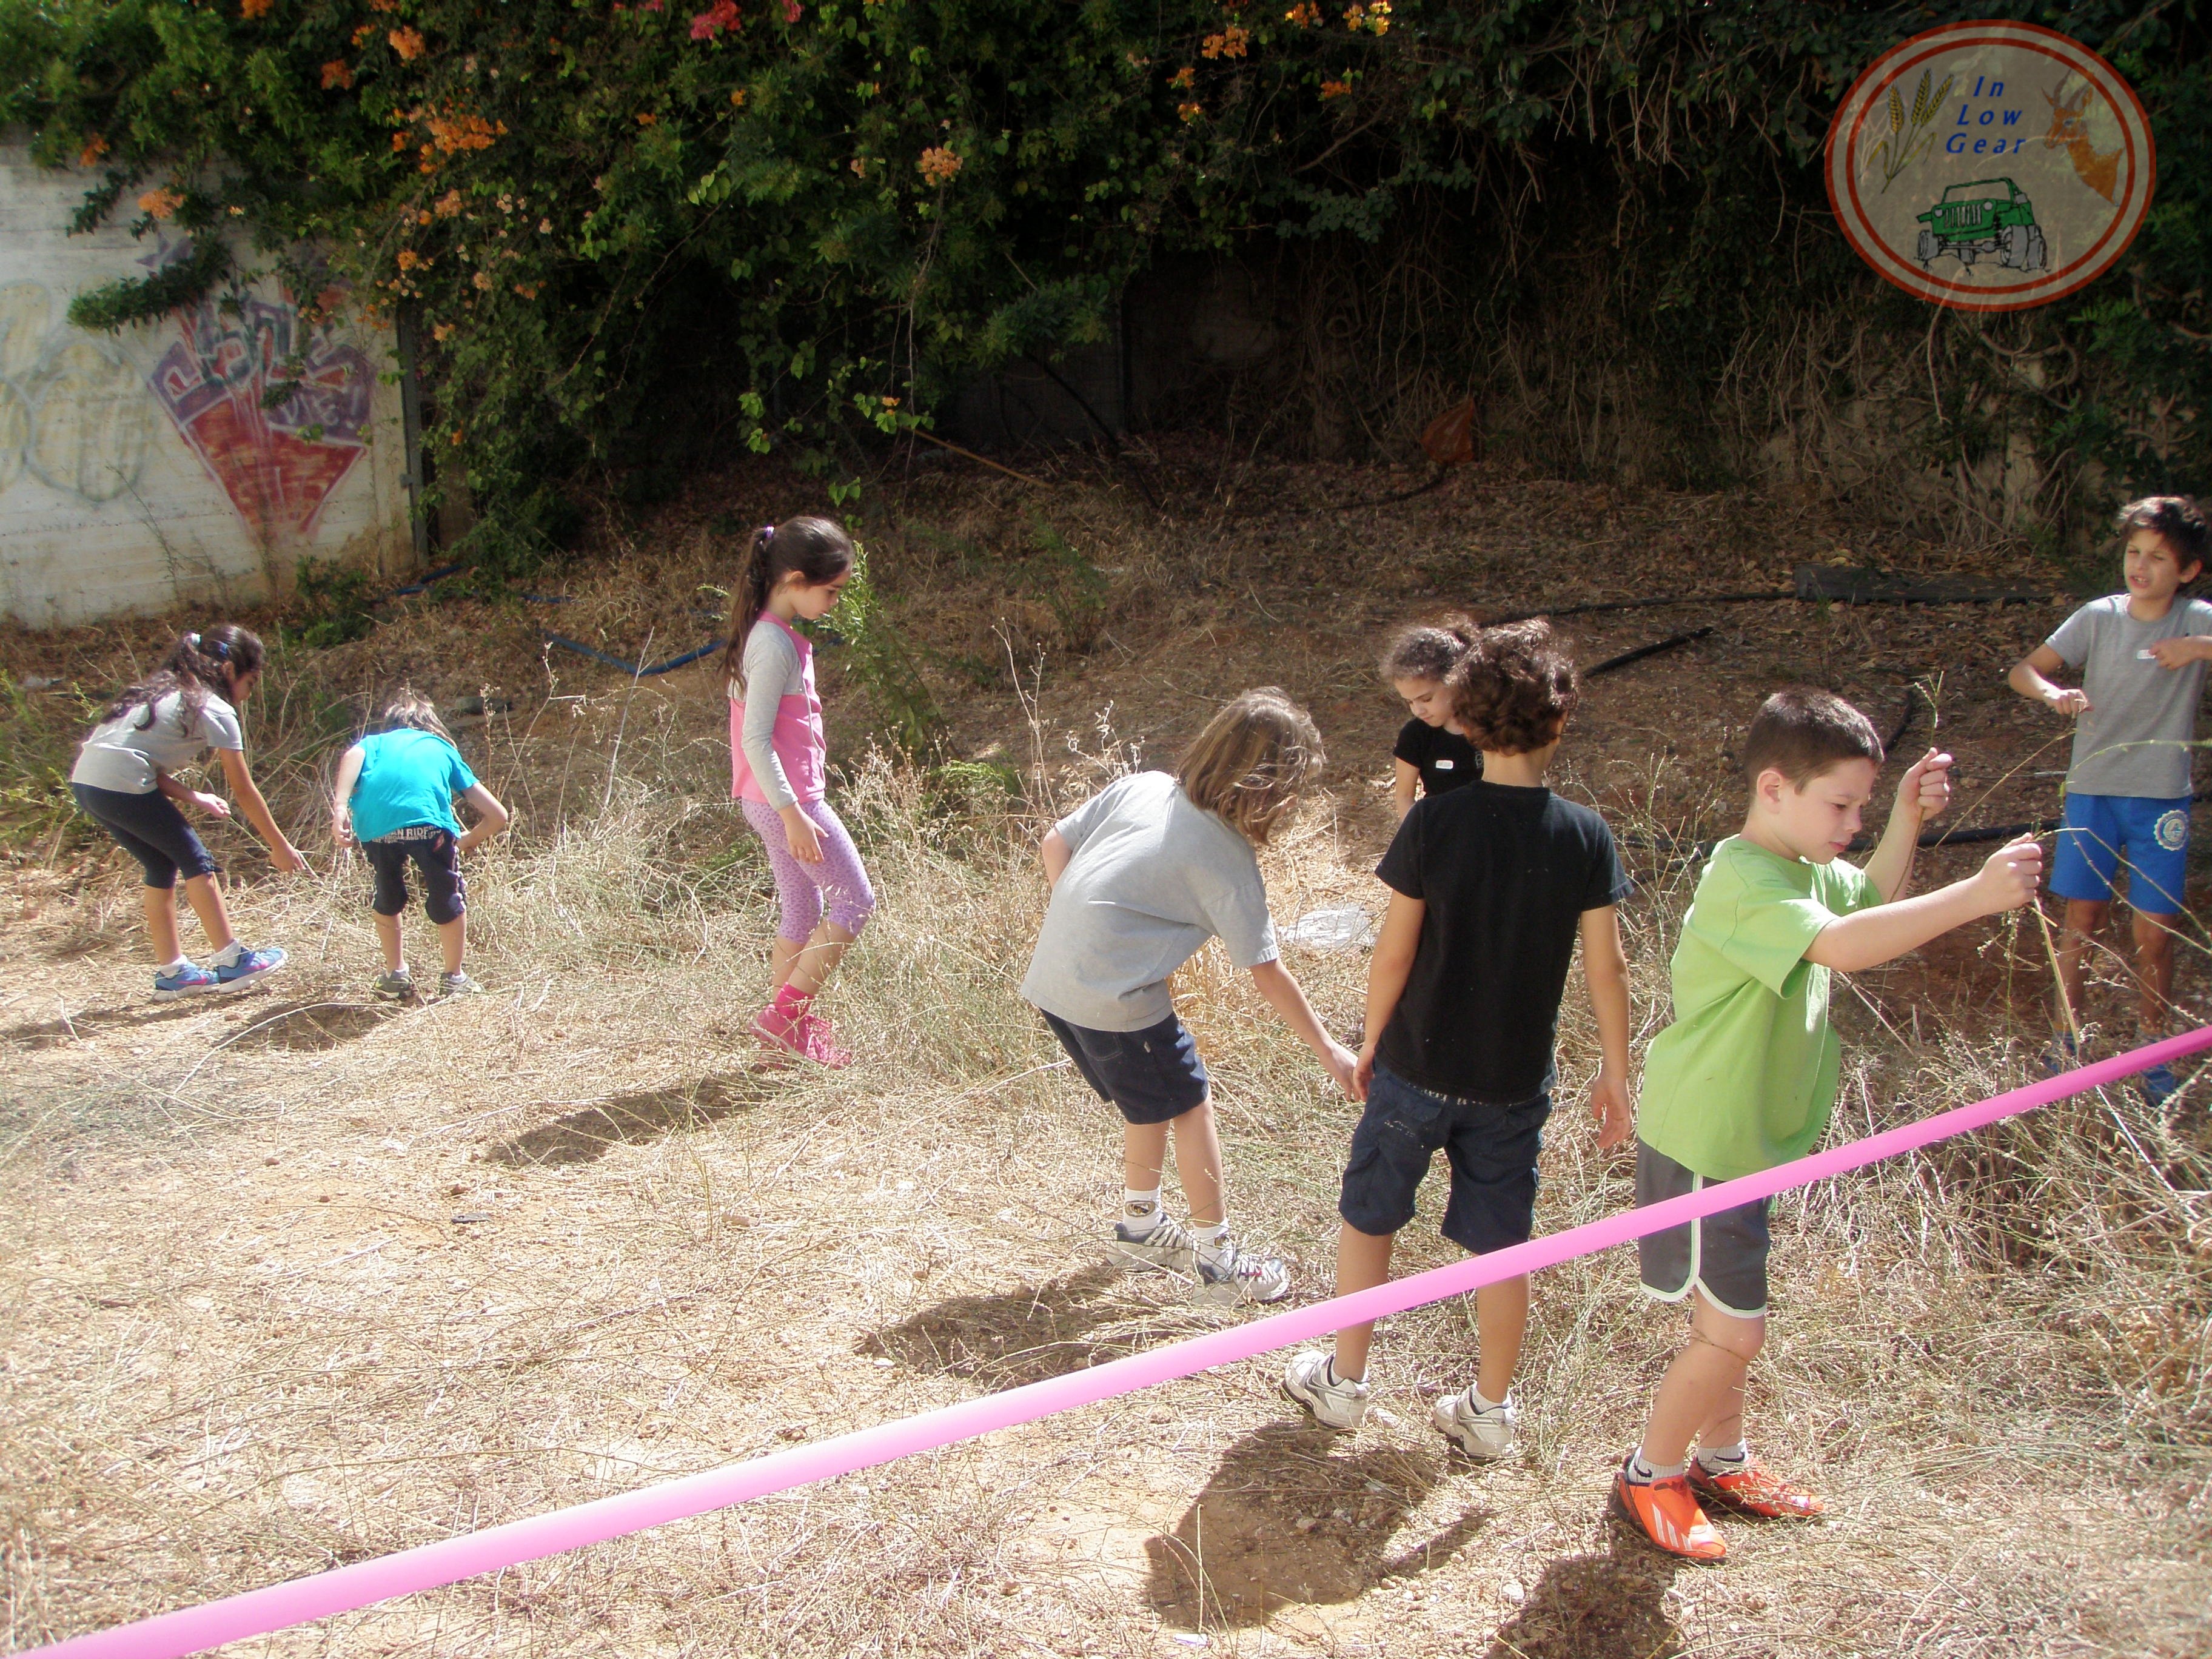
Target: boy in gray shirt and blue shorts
<point x="2140" y="657"/>
<point x="1143" y="874"/>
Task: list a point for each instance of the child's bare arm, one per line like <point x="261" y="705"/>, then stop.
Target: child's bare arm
<point x="1605" y="970"/>
<point x="1387" y="970"/>
<point x="2031" y="677"/>
<point x="1870" y="938"/>
<point x="214" y="805"/>
<point x="1404" y="780"/>
<point x="341" y="795"/>
<point x="492" y="819"/>
<point x="1056" y="854"/>
<point x="1923" y="793"/>
<point x="1283" y="994"/>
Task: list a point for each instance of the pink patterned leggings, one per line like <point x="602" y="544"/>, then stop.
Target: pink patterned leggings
<point x="837" y="886"/>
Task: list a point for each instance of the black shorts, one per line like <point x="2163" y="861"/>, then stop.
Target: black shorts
<point x="149" y="828"/>
<point x="1152" y="1075"/>
<point x="1492" y="1150"/>
<point x="1724" y="1256"/>
<point x="444" y="895"/>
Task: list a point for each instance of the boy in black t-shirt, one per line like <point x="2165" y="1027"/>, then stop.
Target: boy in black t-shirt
<point x="1491" y="886"/>
<point x="1432" y="756"/>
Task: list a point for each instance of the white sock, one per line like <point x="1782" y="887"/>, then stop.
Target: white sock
<point x="1641" y="1472"/>
<point x="1335" y="1377"/>
<point x="1481" y="1404"/>
<point x="229" y="954"/>
<point x="1213" y="1238"/>
<point x="180" y="963"/>
<point x="1725" y="1459"/>
<point x="1138" y="1206"/>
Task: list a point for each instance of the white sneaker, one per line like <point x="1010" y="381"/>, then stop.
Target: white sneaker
<point x="1485" y="1436"/>
<point x="1338" y="1403"/>
<point x="1229" y="1275"/>
<point x="1167" y="1247"/>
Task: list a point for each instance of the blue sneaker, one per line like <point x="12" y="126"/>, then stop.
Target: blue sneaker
<point x="2158" y="1084"/>
<point x="189" y="979"/>
<point x="251" y="965"/>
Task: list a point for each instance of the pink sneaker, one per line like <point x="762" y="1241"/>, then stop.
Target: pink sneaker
<point x="817" y="1044"/>
<point x="778" y="1030"/>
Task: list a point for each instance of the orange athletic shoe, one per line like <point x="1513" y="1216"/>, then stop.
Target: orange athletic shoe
<point x="1754" y="1489"/>
<point x="1668" y="1514"/>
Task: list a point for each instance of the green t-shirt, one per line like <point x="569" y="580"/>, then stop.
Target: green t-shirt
<point x="1746" y="1076"/>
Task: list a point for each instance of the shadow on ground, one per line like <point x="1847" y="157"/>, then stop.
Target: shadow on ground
<point x="1597" y="1606"/>
<point x="1026" y="1335"/>
<point x="310" y="1026"/>
<point x="70" y="1028"/>
<point x="1297" y="1514"/>
<point x="627" y="1120"/>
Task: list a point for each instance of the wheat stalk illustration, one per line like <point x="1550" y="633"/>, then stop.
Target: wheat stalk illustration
<point x="1909" y="135"/>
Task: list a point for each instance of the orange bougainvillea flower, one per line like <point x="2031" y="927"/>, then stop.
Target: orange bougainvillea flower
<point x="483" y="280"/>
<point x="1335" y="89"/>
<point x="441" y="332"/>
<point x="1231" y="42"/>
<point x="406" y="42"/>
<point x="1183" y="77"/>
<point x="162" y="204"/>
<point x="364" y="33"/>
<point x="737" y="99"/>
<point x="94" y="147"/>
<point x="252" y="9"/>
<point x="409" y="259"/>
<point x="646" y="118"/>
<point x="1305" y="15"/>
<point x="337" y="73"/>
<point x="938" y="165"/>
<point x="1190" y="111"/>
<point x="448" y="205"/>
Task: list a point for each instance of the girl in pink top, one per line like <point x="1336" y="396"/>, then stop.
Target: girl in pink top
<point x="793" y="572"/>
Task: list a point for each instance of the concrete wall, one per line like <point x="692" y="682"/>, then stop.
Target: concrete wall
<point x="139" y="472"/>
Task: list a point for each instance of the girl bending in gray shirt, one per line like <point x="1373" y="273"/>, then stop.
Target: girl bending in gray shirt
<point x="1144" y="873"/>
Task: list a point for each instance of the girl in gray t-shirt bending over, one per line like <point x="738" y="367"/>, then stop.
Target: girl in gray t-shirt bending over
<point x="1144" y="873"/>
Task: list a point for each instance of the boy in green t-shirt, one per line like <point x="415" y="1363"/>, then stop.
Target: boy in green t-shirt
<point x="1745" y="1076"/>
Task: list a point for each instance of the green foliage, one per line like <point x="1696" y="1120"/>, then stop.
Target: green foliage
<point x="879" y="659"/>
<point x="331" y="603"/>
<point x="628" y="237"/>
<point x="39" y="737"/>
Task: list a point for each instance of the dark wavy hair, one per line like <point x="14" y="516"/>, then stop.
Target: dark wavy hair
<point x="1428" y="651"/>
<point x="818" y="551"/>
<point x="194" y="670"/>
<point x="2179" y="519"/>
<point x="1514" y="689"/>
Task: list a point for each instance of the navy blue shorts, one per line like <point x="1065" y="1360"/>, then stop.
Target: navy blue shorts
<point x="1152" y="1075"/>
<point x="149" y="828"/>
<point x="1492" y="1152"/>
<point x="444" y="895"/>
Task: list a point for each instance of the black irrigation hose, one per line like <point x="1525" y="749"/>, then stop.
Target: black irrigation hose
<point x="1643" y="651"/>
<point x="633" y="670"/>
<point x="1645" y="604"/>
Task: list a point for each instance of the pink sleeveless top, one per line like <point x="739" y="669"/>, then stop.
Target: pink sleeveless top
<point x="797" y="741"/>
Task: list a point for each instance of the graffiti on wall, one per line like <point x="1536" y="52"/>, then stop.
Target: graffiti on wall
<point x="74" y="413"/>
<point x="277" y="464"/>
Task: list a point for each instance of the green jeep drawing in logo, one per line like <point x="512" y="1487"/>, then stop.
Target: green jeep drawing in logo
<point x="1987" y="217"/>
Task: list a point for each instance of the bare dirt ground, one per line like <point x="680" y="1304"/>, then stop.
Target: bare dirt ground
<point x="297" y="1279"/>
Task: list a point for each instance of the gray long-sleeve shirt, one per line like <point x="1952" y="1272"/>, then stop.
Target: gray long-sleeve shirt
<point x="772" y="673"/>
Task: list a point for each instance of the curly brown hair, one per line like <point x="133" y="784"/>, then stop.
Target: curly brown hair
<point x="1427" y="651"/>
<point x="1513" y="690"/>
<point x="1252" y="761"/>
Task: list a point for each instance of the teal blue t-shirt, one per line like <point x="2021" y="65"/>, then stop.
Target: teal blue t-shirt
<point x="407" y="777"/>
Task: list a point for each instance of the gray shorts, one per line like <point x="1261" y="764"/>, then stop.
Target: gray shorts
<point x="1724" y="1256"/>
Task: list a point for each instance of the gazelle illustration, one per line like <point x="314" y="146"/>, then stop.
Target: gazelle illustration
<point x="2069" y="127"/>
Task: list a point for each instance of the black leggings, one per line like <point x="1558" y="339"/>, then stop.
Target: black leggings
<point x="149" y="828"/>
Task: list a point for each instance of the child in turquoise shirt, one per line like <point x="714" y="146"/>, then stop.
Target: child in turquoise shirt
<point x="394" y="795"/>
<point x="1746" y="1076"/>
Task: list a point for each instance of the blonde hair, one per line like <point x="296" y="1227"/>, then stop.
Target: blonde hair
<point x="410" y="710"/>
<point x="1252" y="761"/>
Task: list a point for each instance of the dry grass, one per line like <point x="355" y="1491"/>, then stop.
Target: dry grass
<point x="300" y="1279"/>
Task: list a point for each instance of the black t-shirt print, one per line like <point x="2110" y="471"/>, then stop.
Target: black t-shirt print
<point x="1505" y="873"/>
<point x="1445" y="759"/>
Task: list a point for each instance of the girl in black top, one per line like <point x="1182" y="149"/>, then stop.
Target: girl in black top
<point x="1431" y="752"/>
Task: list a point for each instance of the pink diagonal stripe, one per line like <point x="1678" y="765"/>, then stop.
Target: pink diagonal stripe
<point x="256" y="1613"/>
